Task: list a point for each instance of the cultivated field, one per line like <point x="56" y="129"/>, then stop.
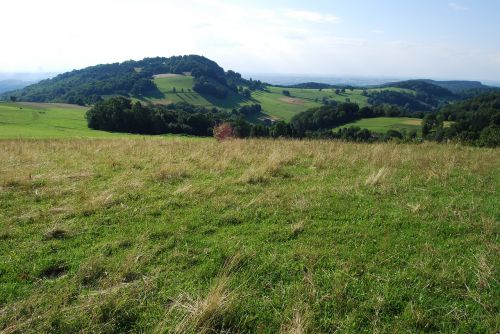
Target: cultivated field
<point x="273" y="102"/>
<point x="183" y="85"/>
<point x="384" y="124"/>
<point x="247" y="236"/>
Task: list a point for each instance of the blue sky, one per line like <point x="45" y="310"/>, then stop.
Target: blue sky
<point x="387" y="38"/>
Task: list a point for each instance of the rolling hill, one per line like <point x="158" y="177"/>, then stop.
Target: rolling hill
<point x="202" y="82"/>
<point x="11" y="85"/>
<point x="179" y="88"/>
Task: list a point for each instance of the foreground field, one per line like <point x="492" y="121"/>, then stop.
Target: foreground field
<point x="253" y="236"/>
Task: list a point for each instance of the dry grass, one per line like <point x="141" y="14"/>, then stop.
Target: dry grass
<point x="376" y="178"/>
<point x="298" y="324"/>
<point x="205" y="314"/>
<point x="142" y="225"/>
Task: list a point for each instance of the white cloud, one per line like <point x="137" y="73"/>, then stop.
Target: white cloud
<point x="458" y="7"/>
<point x="59" y="35"/>
<point x="309" y="16"/>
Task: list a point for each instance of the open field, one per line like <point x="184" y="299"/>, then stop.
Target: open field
<point x="384" y="124"/>
<point x="53" y="121"/>
<point x="255" y="236"/>
<point x="46" y="120"/>
<point x="273" y="102"/>
<point x="183" y="85"/>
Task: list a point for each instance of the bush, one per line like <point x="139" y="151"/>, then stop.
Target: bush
<point x="490" y="137"/>
<point x="223" y="131"/>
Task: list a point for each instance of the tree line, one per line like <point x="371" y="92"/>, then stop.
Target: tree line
<point x="120" y="114"/>
<point x="475" y="121"/>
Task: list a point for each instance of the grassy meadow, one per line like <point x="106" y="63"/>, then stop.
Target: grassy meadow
<point x="247" y="236"/>
<point x="384" y="124"/>
<point x="46" y="121"/>
<point x="273" y="102"/>
<point x="183" y="85"/>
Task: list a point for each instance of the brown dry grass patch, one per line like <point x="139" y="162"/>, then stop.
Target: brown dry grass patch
<point x="293" y="100"/>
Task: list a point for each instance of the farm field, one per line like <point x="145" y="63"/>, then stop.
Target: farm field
<point x="273" y="102"/>
<point x="384" y="124"/>
<point x="183" y="93"/>
<point x="247" y="236"/>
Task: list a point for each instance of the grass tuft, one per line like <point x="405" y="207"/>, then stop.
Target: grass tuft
<point x="54" y="270"/>
<point x="376" y="178"/>
<point x="207" y="314"/>
<point x="56" y="233"/>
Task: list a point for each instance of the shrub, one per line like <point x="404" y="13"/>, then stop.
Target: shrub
<point x="223" y="131"/>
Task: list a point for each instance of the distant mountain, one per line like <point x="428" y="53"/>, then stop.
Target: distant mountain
<point x="26" y="76"/>
<point x="457" y="87"/>
<point x="423" y="87"/>
<point x="11" y="85"/>
<point x="331" y="80"/>
<point x="310" y="85"/>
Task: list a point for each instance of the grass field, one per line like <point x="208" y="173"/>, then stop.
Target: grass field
<point x="46" y="120"/>
<point x="53" y="121"/>
<point x="384" y="124"/>
<point x="183" y="93"/>
<point x="255" y="236"/>
<point x="273" y="102"/>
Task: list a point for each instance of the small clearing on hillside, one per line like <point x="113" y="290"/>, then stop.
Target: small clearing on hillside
<point x="167" y="75"/>
<point x="293" y="100"/>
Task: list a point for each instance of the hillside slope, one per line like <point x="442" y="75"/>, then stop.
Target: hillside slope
<point x="88" y="85"/>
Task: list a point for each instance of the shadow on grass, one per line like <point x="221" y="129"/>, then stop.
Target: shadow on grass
<point x="233" y="100"/>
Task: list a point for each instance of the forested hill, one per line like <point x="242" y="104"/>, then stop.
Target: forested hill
<point x="130" y="78"/>
<point x="456" y="89"/>
<point x="459" y="86"/>
<point x="423" y="87"/>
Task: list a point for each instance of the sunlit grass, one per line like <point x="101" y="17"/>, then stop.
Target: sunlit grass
<point x="247" y="236"/>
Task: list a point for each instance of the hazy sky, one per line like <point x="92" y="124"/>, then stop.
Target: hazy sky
<point x="390" y="38"/>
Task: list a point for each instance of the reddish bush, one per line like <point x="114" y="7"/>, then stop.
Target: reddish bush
<point x="223" y="131"/>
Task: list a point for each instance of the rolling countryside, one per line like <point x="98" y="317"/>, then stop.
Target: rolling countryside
<point x="250" y="167"/>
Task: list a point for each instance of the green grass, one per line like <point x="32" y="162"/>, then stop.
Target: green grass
<point x="273" y="102"/>
<point x="248" y="236"/>
<point x="181" y="82"/>
<point x="384" y="124"/>
<point x="312" y="95"/>
<point x="45" y="120"/>
<point x="178" y="82"/>
<point x="53" y="121"/>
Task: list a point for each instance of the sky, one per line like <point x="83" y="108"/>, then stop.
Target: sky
<point x="437" y="39"/>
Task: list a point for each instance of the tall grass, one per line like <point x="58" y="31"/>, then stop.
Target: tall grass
<point x="140" y="235"/>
